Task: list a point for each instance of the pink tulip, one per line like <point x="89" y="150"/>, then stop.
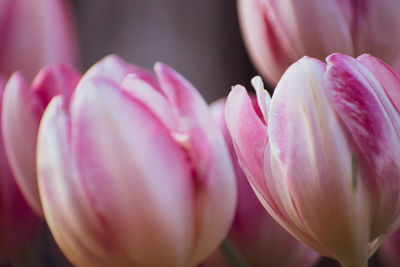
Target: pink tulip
<point x="23" y="106"/>
<point x="277" y="33"/>
<point x="34" y="34"/>
<point x="17" y="221"/>
<point x="259" y="239"/>
<point x="324" y="156"/>
<point x="134" y="171"/>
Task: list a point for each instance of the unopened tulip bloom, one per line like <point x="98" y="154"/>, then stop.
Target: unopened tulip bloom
<point x="34" y="33"/>
<point x="133" y="170"/>
<point x="324" y="157"/>
<point x="258" y="238"/>
<point x="23" y="106"/>
<point x="17" y="221"/>
<point x="277" y="33"/>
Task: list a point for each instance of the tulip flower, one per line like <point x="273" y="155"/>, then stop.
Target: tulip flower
<point x="258" y="238"/>
<point x="324" y="156"/>
<point x="17" y="221"/>
<point x="22" y="109"/>
<point x="34" y="34"/>
<point x="133" y="170"/>
<point x="278" y="33"/>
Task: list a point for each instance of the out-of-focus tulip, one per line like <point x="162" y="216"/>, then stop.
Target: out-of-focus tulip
<point x="22" y="109"/>
<point x="134" y="171"/>
<point x="389" y="252"/>
<point x="277" y="33"/>
<point x="17" y="221"/>
<point x="324" y="157"/>
<point x="259" y="239"/>
<point x="34" y="34"/>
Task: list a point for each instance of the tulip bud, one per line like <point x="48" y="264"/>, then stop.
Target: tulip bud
<point x="259" y="239"/>
<point x="22" y="110"/>
<point x="34" y="34"/>
<point x="17" y="221"/>
<point x="324" y="157"/>
<point x="134" y="171"/>
<point x="277" y="33"/>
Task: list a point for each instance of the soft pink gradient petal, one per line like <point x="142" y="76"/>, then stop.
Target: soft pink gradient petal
<point x="199" y="135"/>
<point x="377" y="30"/>
<point x="114" y="68"/>
<point x="18" y="223"/>
<point x="261" y="240"/>
<point x="143" y="178"/>
<point x="20" y="146"/>
<point x="22" y="109"/>
<point x="269" y="50"/>
<point x="152" y="98"/>
<point x="34" y="34"/>
<point x="248" y="132"/>
<point x="317" y="28"/>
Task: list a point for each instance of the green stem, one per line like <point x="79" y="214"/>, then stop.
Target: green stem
<point x="233" y="256"/>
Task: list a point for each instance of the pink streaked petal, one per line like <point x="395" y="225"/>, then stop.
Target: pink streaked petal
<point x="141" y="172"/>
<point x="208" y="154"/>
<point x="360" y="101"/>
<point x="152" y="98"/>
<point x="387" y="77"/>
<point x="248" y="132"/>
<point x="19" y="130"/>
<point x="366" y="111"/>
<point x="311" y="188"/>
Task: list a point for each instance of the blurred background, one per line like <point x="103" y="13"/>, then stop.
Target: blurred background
<point x="200" y="39"/>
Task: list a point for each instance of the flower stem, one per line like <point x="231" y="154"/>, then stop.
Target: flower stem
<point x="233" y="256"/>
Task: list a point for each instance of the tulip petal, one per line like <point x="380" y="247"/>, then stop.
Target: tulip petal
<point x="373" y="122"/>
<point x="387" y="77"/>
<point x="317" y="27"/>
<point x="153" y="99"/>
<point x="152" y="183"/>
<point x="249" y="134"/>
<point x="22" y="111"/>
<point x="59" y="186"/>
<point x="267" y="44"/>
<point x="17" y="121"/>
<point x="305" y="139"/>
<point x="35" y="34"/>
<point x="375" y="29"/>
<point x="263" y="98"/>
<point x="209" y="157"/>
<point x="116" y="69"/>
<point x="51" y="81"/>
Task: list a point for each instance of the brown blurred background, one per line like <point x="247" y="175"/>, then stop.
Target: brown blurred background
<point x="201" y="39"/>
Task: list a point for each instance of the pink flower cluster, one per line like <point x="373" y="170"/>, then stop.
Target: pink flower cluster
<point x="131" y="167"/>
